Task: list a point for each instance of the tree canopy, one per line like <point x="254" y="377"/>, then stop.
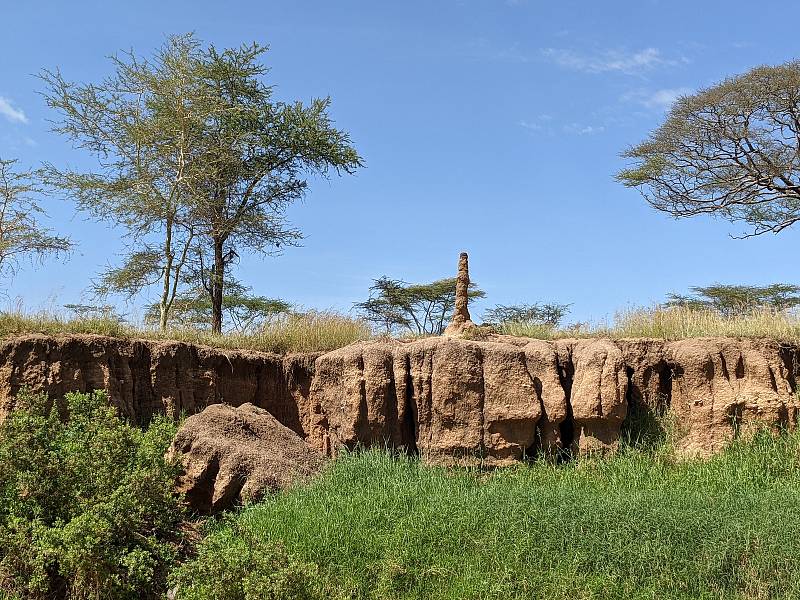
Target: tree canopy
<point x="21" y="234"/>
<point x="421" y="308"/>
<point x="731" y="150"/>
<point x="547" y="314"/>
<point x="255" y="154"/>
<point x="244" y="312"/>
<point x="141" y="126"/>
<point x="196" y="160"/>
<point x="736" y="299"/>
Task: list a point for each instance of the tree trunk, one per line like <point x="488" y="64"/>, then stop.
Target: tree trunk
<point x="164" y="316"/>
<point x="217" y="283"/>
<point x="164" y="304"/>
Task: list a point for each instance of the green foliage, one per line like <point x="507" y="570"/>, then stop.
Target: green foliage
<point x="244" y="312"/>
<point x="548" y="315"/>
<point x="141" y="126"/>
<point x="196" y="160"/>
<point x="235" y="565"/>
<point x="731" y="150"/>
<point x="636" y="525"/>
<point x="22" y="236"/>
<point x="421" y="308"/>
<point x="86" y="501"/>
<point x="739" y="299"/>
<point x="255" y="155"/>
<point x="102" y="312"/>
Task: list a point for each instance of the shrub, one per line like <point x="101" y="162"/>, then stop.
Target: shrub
<point x="86" y="501"/>
<point x="237" y="565"/>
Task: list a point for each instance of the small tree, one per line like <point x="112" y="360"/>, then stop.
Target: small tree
<point x="735" y="299"/>
<point x="422" y="309"/>
<point x="21" y="234"/>
<point x="244" y="312"/>
<point x="103" y="312"/>
<point x="731" y="150"/>
<point x="142" y="126"/>
<point x="549" y="315"/>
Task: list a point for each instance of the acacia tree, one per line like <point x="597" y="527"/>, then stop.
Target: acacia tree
<point x="732" y="150"/>
<point x="21" y="234"/>
<point x="256" y="156"/>
<point x="246" y="313"/>
<point x="548" y="314"/>
<point x="422" y="308"/>
<point x="733" y="299"/>
<point x="141" y="125"/>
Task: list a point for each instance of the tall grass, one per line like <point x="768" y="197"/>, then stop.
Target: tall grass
<point x="323" y="331"/>
<point x="683" y="322"/>
<point x="632" y="526"/>
<point x="318" y="331"/>
<point x="674" y="323"/>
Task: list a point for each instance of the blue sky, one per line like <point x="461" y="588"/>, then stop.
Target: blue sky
<point x="489" y="126"/>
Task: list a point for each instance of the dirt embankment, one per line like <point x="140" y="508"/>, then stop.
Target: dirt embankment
<point x="450" y="399"/>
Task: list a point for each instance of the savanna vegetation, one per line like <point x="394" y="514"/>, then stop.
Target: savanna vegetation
<point x="88" y="511"/>
<point x="87" y="507"/>
<point x="637" y="525"/>
<point x="196" y="162"/>
<point x="303" y="332"/>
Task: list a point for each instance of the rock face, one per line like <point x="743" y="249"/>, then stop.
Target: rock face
<point x="723" y="388"/>
<point x="238" y="454"/>
<point x="146" y="377"/>
<point x="451" y="399"/>
<point x="457" y="400"/>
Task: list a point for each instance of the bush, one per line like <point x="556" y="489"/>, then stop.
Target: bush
<point x="86" y="501"/>
<point x="236" y="565"/>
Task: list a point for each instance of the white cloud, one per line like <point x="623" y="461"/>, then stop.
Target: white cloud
<point x="659" y="99"/>
<point x="15" y="115"/>
<point x="532" y="125"/>
<point x="608" y="61"/>
<point x="545" y="123"/>
<point x="540" y="123"/>
<point x="578" y="129"/>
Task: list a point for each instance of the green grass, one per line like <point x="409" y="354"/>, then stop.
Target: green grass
<point x="633" y="526"/>
<point x="320" y="331"/>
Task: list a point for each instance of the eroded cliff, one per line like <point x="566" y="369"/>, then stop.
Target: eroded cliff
<point x="453" y="400"/>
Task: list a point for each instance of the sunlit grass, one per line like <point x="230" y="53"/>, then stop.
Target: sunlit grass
<point x="318" y="331"/>
<point x="323" y="331"/>
<point x="674" y="323"/>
